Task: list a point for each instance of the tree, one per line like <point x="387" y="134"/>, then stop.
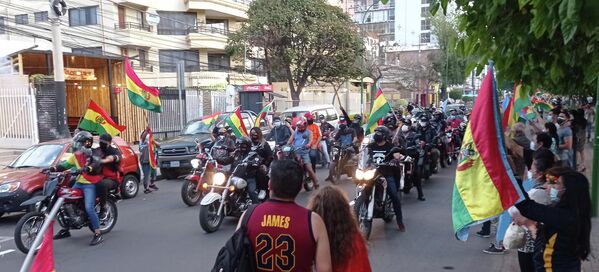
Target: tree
<point x="308" y="40"/>
<point x="456" y="94"/>
<point x="549" y="44"/>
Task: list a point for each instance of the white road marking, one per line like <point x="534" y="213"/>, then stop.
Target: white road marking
<point x="5" y="239"/>
<point x="2" y="253"/>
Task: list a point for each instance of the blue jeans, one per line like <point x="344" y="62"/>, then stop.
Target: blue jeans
<point x="392" y="192"/>
<point x="89" y="197"/>
<point x="252" y="190"/>
<point x="147" y="171"/>
<point x="305" y="155"/>
<point x="504" y="222"/>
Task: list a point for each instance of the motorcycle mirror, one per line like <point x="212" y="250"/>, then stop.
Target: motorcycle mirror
<point x="197" y="140"/>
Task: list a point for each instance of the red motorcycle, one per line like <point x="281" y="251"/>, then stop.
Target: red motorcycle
<point x="71" y="213"/>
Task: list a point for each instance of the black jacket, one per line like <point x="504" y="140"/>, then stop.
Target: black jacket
<point x="279" y="134"/>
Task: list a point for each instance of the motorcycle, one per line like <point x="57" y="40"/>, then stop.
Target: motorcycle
<point x="229" y="196"/>
<point x="288" y="152"/>
<point x="371" y="200"/>
<point x="195" y="185"/>
<point x="341" y="155"/>
<point x="410" y="168"/>
<point x="453" y="145"/>
<point x="70" y="215"/>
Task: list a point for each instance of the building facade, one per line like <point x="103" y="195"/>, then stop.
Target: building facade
<point x="374" y="17"/>
<point x="413" y="25"/>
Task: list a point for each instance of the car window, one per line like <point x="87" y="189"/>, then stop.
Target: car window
<point x="197" y="127"/>
<point x="38" y="156"/>
<point x="331" y="115"/>
<point x="317" y="113"/>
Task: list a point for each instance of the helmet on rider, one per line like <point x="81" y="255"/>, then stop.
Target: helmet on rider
<point x="357" y="118"/>
<point x="322" y="118"/>
<point x="437" y="115"/>
<point x="406" y="125"/>
<point x="380" y="134"/>
<point x="342" y="123"/>
<point x="423" y="121"/>
<point x="105" y="140"/>
<point x="82" y="141"/>
<point x="309" y="118"/>
<point x="301" y="124"/>
<point x="390" y="121"/>
<point x="243" y="144"/>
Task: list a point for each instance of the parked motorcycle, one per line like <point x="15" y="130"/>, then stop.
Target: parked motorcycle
<point x="371" y="200"/>
<point x="229" y="196"/>
<point x="70" y="215"/>
<point x="341" y="155"/>
<point x="288" y="152"/>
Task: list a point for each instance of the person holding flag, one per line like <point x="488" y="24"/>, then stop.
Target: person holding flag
<point x="147" y="158"/>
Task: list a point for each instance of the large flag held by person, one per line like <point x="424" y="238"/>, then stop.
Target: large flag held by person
<point x="236" y="123"/>
<point x="96" y="120"/>
<point x="210" y="119"/>
<point x="485" y="185"/>
<point x="262" y="114"/>
<point x="44" y="260"/>
<point x="141" y="95"/>
<point x="380" y="108"/>
<point x="152" y="149"/>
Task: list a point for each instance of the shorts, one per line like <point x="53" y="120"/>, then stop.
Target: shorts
<point x="305" y="155"/>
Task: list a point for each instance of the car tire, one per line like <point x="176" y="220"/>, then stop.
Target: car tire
<point x="32" y="208"/>
<point x="169" y="173"/>
<point x="129" y="186"/>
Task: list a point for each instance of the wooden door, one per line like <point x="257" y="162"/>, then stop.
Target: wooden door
<point x="122" y="16"/>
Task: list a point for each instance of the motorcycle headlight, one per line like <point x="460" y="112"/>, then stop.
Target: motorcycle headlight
<point x="218" y="179"/>
<point x="9" y="187"/>
<point x="366" y="141"/>
<point x="369" y="174"/>
<point x="359" y="174"/>
<point x="195" y="163"/>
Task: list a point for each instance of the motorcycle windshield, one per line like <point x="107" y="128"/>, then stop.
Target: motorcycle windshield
<point x="364" y="160"/>
<point x="50" y="186"/>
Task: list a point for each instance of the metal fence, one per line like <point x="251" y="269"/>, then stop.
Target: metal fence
<point x="18" y="117"/>
<point x="194" y="104"/>
<point x="168" y="122"/>
<point x="219" y="101"/>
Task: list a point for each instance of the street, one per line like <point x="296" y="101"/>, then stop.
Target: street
<point x="157" y="232"/>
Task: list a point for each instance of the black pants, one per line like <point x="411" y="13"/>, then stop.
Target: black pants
<point x="102" y="189"/>
<point x="486" y="227"/>
<point x="525" y="260"/>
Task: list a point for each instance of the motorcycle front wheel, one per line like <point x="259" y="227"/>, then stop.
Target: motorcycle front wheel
<point x="27" y="229"/>
<point x="361" y="208"/>
<point x="209" y="220"/>
<point x="189" y="194"/>
<point x="389" y="212"/>
<point x="334" y="172"/>
<point x="308" y="183"/>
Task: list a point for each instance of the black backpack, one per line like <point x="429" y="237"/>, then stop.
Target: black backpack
<point x="237" y="254"/>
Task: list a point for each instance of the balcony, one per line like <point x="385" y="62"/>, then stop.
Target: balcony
<point x="135" y="26"/>
<point x="221" y="8"/>
<point x="134" y="34"/>
<point x="211" y="36"/>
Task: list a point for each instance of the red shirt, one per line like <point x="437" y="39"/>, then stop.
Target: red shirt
<point x="281" y="236"/>
<point x="358" y="260"/>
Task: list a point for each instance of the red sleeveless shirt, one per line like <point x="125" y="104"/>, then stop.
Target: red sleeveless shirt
<point x="281" y="236"/>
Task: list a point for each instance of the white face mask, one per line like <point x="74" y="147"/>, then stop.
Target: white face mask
<point x="423" y="124"/>
<point x="533" y="145"/>
<point x="405" y="128"/>
<point x="529" y="175"/>
<point x="278" y="123"/>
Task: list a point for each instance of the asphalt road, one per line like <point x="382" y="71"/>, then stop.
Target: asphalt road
<point x="157" y="232"/>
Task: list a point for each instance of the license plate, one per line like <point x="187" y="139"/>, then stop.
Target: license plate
<point x="175" y="164"/>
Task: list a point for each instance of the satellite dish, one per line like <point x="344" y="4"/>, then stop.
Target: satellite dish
<point x="152" y="17"/>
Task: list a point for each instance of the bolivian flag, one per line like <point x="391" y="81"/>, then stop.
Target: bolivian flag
<point x="380" y="108"/>
<point x="210" y="119"/>
<point x="152" y="150"/>
<point x="44" y="260"/>
<point x="236" y="123"/>
<point x="262" y="114"/>
<point x="485" y="185"/>
<point x="141" y="95"/>
<point x="96" y="120"/>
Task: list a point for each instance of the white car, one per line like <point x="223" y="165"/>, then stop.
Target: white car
<point x="329" y="111"/>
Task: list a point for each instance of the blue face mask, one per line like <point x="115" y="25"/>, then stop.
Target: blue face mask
<point x="553" y="194"/>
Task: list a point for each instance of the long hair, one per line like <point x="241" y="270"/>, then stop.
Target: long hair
<point x="333" y="206"/>
<point x="552" y="130"/>
<point x="577" y="199"/>
<point x="259" y="132"/>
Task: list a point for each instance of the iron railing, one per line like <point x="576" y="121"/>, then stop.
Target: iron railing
<point x="130" y="25"/>
<point x="209" y="28"/>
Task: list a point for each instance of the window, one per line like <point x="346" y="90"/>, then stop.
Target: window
<point x="83" y="16"/>
<point x="391" y="15"/>
<point x="425" y="37"/>
<point x="143" y="57"/>
<point x="88" y="51"/>
<point x="425" y="12"/>
<point x="169" y="58"/>
<point x="424" y="2"/>
<point x="175" y="23"/>
<point x="425" y="24"/>
<point x="218" y="62"/>
<point x="2" y="31"/>
<point x="22" y="19"/>
<point x="41" y="17"/>
<point x="217" y="26"/>
<point x="331" y="115"/>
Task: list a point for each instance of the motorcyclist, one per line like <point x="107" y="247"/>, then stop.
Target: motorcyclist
<point x="356" y="124"/>
<point x="390" y="121"/>
<point x="223" y="147"/>
<point x="325" y="129"/>
<point x="454" y="119"/>
<point x="316" y="136"/>
<point x="280" y="133"/>
<point x="383" y="151"/>
<point x="427" y="134"/>
<point x="265" y="152"/>
<point x="440" y="125"/>
<point x="347" y="138"/>
<point x="243" y="147"/>
<point x="408" y="138"/>
<point x="90" y="167"/>
<point x="301" y="140"/>
<point x="111" y="159"/>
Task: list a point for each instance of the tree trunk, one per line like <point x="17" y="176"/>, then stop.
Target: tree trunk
<point x="295" y="92"/>
<point x="295" y="97"/>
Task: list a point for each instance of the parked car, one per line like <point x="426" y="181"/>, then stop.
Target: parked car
<point x="175" y="155"/>
<point x="22" y="179"/>
<point x="329" y="111"/>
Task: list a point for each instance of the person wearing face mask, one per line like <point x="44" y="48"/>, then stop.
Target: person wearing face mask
<point x="301" y="141"/>
<point x="346" y="137"/>
<point x="265" y="152"/>
<point x="316" y="137"/>
<point x="427" y="134"/>
<point x="280" y="133"/>
<point x="382" y="150"/>
<point x="564" y="226"/>
<point x="390" y="121"/>
<point x="111" y="159"/>
<point x="325" y="130"/>
<point x="564" y="132"/>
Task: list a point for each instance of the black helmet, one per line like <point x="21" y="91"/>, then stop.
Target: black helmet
<point x="357" y="117"/>
<point x="243" y="144"/>
<point x="390" y="121"/>
<point x="82" y="141"/>
<point x="382" y="129"/>
<point x="380" y="133"/>
<point x="321" y="117"/>
<point x="106" y="138"/>
<point x="437" y="114"/>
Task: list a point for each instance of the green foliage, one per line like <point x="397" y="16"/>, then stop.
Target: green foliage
<point x="456" y="94"/>
<point x="447" y="62"/>
<point x="303" y="39"/>
<point x="548" y="44"/>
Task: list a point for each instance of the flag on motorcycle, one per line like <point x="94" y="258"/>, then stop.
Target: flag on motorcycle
<point x="96" y="120"/>
<point x="152" y="149"/>
<point x="262" y="114"/>
<point x="380" y="108"/>
<point x="141" y="95"/>
<point x="485" y="185"/>
<point x="236" y="123"/>
<point x="44" y="260"/>
<point x="210" y="119"/>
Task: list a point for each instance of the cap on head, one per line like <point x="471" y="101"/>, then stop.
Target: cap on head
<point x="309" y="116"/>
<point x="106" y="138"/>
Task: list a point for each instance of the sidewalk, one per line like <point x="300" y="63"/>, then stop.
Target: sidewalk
<point x="7" y="155"/>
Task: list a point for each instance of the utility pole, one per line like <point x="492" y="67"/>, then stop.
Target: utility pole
<point x="58" y="9"/>
<point x="595" y="180"/>
<point x="181" y="87"/>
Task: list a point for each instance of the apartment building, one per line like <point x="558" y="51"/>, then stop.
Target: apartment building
<point x="414" y="26"/>
<point x="374" y="17"/>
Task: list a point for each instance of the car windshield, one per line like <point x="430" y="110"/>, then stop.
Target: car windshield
<point x="197" y="127"/>
<point x="41" y="156"/>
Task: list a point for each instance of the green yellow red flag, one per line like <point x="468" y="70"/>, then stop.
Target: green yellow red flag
<point x="380" y="108"/>
<point x="485" y="185"/>
<point x="152" y="149"/>
<point x="262" y="114"/>
<point x="141" y="95"/>
<point x="235" y="121"/>
<point x="96" y="120"/>
<point x="44" y="260"/>
<point x="210" y="119"/>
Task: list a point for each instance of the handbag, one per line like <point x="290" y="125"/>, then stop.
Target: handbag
<point x="515" y="237"/>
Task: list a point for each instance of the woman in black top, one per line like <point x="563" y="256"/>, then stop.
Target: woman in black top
<point x="563" y="236"/>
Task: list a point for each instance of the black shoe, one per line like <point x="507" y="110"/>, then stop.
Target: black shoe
<point x="63" y="233"/>
<point x="153" y="186"/>
<point x="147" y="191"/>
<point x="96" y="240"/>
<point x="483" y="234"/>
<point x="492" y="249"/>
<point x="402" y="227"/>
<point x="421" y="198"/>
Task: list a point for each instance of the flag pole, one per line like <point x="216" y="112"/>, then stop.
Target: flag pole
<point x="40" y="235"/>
